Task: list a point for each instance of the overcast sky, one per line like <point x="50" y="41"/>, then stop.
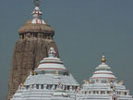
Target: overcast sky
<point x="84" y="29"/>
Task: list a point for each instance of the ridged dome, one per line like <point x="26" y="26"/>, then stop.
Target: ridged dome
<point x="103" y="71"/>
<point x="51" y="62"/>
<point x="30" y="27"/>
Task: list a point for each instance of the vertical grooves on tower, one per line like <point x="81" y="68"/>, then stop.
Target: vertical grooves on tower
<point x="35" y="38"/>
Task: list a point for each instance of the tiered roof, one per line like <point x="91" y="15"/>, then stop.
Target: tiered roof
<point x="49" y="81"/>
<point x="103" y="71"/>
<point x="103" y="85"/>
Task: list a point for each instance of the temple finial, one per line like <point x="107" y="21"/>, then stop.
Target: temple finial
<point x="103" y="59"/>
<point x="37" y="3"/>
<point x="51" y="52"/>
<point x="37" y="14"/>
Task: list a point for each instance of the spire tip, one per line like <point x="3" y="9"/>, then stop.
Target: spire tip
<point x="52" y="52"/>
<point x="37" y="3"/>
<point x="103" y="60"/>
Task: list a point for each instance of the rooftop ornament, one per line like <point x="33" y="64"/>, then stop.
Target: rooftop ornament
<point x="51" y="52"/>
<point x="103" y="65"/>
<point x="103" y="60"/>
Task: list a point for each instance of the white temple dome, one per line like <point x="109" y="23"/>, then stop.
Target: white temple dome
<point x="51" y="63"/>
<point x="50" y="81"/>
<point x="103" y="66"/>
<point x="103" y="71"/>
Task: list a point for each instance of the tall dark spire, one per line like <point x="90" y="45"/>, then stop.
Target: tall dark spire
<point x="35" y="38"/>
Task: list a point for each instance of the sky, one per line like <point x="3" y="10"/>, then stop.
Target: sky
<point x="84" y="30"/>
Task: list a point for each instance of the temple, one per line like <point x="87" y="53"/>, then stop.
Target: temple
<point x="38" y="73"/>
<point x="103" y="85"/>
<point x="35" y="39"/>
<point x="52" y="81"/>
<point x="49" y="81"/>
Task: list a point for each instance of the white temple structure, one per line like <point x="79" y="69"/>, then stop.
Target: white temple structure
<point x="50" y="81"/>
<point x="103" y="85"/>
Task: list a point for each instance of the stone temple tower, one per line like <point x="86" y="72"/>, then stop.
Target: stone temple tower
<point x="35" y="39"/>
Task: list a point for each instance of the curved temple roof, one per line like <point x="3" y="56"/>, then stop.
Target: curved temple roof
<point x="36" y="24"/>
<point x="49" y="81"/>
<point x="103" y="71"/>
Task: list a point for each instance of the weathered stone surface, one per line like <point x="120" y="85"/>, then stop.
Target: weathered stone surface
<point x="35" y="38"/>
<point x="27" y="54"/>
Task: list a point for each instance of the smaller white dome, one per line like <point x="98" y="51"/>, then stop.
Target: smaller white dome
<point x="103" y="71"/>
<point x="103" y="66"/>
<point x="51" y="63"/>
<point x="102" y="75"/>
<point x="52" y="66"/>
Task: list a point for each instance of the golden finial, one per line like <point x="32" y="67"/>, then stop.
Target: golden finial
<point x="103" y="60"/>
